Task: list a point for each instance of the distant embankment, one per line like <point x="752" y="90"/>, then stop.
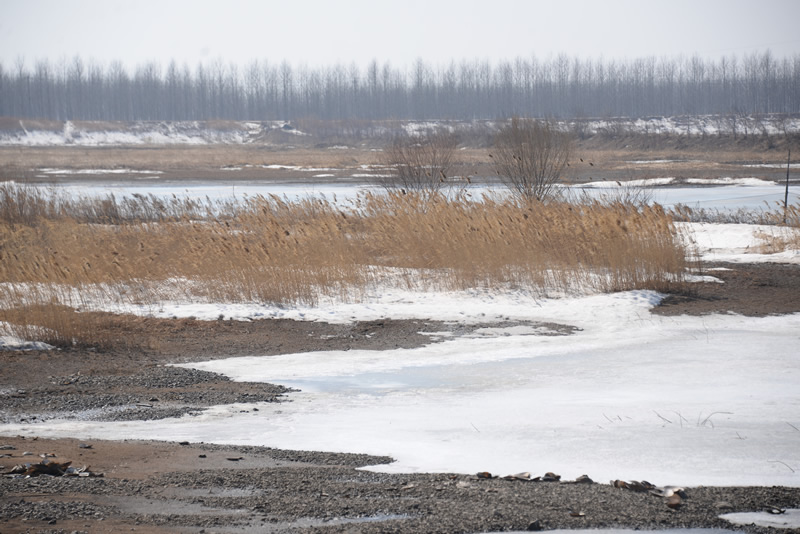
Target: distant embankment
<point x="44" y="133"/>
<point x="24" y="132"/>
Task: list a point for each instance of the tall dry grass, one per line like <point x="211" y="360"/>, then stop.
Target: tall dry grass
<point x="270" y="250"/>
<point x="30" y="205"/>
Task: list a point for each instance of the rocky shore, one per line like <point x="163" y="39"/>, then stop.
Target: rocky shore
<point x="157" y="487"/>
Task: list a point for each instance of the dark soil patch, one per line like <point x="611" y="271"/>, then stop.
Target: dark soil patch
<point x="754" y="290"/>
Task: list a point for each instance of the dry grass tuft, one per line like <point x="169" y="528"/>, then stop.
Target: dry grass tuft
<point x="70" y="256"/>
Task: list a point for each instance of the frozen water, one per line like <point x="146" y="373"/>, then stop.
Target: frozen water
<point x="675" y="400"/>
<point x="707" y="400"/>
<point x="723" y="195"/>
<point x="787" y="519"/>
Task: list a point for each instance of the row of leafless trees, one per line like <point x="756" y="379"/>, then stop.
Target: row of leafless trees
<point x="562" y="86"/>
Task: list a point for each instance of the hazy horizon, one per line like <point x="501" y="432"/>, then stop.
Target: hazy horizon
<point x="315" y="33"/>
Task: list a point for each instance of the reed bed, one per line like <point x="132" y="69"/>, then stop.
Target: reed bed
<point x="58" y="260"/>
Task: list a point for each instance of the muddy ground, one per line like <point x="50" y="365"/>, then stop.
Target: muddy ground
<point x="249" y="164"/>
<point x="155" y="487"/>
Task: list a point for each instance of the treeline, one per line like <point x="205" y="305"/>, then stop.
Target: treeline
<point x="563" y="86"/>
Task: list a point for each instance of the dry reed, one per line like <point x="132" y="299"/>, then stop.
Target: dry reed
<point x="269" y="250"/>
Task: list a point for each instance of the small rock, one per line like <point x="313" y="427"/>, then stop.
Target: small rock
<point x="674" y="501"/>
<point x="534" y="526"/>
<point x="723" y="505"/>
<point x="584" y="479"/>
<point x="668" y="491"/>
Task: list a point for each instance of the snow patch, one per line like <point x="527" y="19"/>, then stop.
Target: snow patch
<point x="789" y="518"/>
<point x="697" y="278"/>
<point x="613" y="184"/>
<point x="738" y="243"/>
<point x="774" y="165"/>
<point x="729" y="181"/>
<point x="11" y="342"/>
<point x="96" y="171"/>
<point x="144" y="133"/>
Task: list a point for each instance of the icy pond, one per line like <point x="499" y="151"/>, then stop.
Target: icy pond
<point x="721" y="194"/>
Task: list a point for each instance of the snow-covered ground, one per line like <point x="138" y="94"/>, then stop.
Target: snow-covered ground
<point x="740" y="243"/>
<point x="710" y="400"/>
<point x="140" y="133"/>
<point x="695" y="125"/>
<point x="30" y="133"/>
<point x="681" y="400"/>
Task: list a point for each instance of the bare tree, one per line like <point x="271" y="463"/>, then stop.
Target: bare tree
<point x="530" y="157"/>
<point x="420" y="162"/>
<point x="472" y="89"/>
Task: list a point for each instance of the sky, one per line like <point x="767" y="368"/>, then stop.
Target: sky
<point x="324" y="32"/>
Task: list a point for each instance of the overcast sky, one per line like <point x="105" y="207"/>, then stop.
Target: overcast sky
<point x="320" y="32"/>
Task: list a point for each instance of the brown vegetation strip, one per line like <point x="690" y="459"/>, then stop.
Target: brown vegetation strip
<point x="56" y="256"/>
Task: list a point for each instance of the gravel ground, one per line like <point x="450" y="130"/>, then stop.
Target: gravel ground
<point x="156" y="392"/>
<point x="266" y="490"/>
<point x="155" y="487"/>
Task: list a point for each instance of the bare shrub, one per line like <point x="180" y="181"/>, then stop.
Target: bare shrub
<point x="530" y="157"/>
<point x="420" y="162"/>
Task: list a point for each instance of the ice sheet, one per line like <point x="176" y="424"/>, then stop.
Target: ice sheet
<point x="675" y="400"/>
